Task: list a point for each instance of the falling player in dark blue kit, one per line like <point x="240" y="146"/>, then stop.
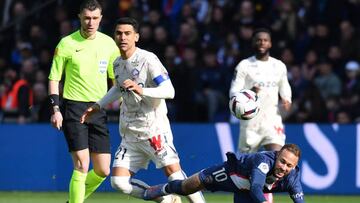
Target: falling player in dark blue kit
<point x="248" y="176"/>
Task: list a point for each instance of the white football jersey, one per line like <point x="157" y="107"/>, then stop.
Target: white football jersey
<point x="142" y="117"/>
<point x="270" y="76"/>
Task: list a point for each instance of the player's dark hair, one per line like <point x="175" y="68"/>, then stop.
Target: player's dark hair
<point x="292" y="148"/>
<point x="128" y="21"/>
<point x="90" y="5"/>
<point x="258" y="30"/>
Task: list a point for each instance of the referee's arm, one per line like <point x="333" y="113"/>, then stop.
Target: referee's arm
<point x="56" y="117"/>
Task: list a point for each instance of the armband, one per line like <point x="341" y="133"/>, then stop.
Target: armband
<point x="54" y="100"/>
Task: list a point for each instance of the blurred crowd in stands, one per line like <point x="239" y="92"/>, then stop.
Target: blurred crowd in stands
<point x="200" y="42"/>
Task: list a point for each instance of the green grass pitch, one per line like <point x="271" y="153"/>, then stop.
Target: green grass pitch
<point x="113" y="197"/>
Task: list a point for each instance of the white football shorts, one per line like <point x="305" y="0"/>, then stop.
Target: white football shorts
<point x="137" y="155"/>
<point x="260" y="132"/>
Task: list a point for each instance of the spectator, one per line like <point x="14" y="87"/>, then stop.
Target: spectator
<point x="310" y="107"/>
<point x="337" y="60"/>
<point x="40" y="109"/>
<point x="17" y="97"/>
<point x="350" y="99"/>
<point x="308" y="67"/>
<point x="211" y="95"/>
<point x="161" y="40"/>
<point x="327" y="81"/>
<point x="343" y="117"/>
<point x="349" y="41"/>
<point x="187" y="71"/>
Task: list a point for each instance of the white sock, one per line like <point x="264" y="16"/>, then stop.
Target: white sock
<point x="196" y="197"/>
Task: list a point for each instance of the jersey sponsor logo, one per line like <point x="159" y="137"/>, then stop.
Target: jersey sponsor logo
<point x="264" y="167"/>
<point x="298" y="195"/>
<point x="266" y="84"/>
<point x="77" y="50"/>
<point x="156" y="143"/>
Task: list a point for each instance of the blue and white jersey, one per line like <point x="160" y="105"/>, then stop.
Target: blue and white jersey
<point x="142" y="117"/>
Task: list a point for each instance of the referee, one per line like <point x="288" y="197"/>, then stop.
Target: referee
<point x="86" y="58"/>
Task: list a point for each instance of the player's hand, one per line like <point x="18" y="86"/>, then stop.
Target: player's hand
<point x="131" y="85"/>
<point x="90" y="111"/>
<point x="286" y="105"/>
<point x="256" y="89"/>
<point x="56" y="120"/>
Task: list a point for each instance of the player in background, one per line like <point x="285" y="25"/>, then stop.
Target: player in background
<point x="267" y="76"/>
<point x="248" y="176"/>
<point x="85" y="57"/>
<point x="143" y="83"/>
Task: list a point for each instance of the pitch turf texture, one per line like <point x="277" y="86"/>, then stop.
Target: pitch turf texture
<point x="113" y="197"/>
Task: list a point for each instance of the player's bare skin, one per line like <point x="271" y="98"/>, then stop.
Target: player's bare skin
<point x="192" y="184"/>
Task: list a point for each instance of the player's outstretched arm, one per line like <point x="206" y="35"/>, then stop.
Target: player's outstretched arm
<point x="89" y="112"/>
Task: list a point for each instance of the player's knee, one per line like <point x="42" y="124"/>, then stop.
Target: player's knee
<point x="81" y="168"/>
<point x="178" y="175"/>
<point x="103" y="172"/>
<point x="121" y="184"/>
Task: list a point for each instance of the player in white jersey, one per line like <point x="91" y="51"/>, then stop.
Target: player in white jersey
<point x="143" y="84"/>
<point x="268" y="77"/>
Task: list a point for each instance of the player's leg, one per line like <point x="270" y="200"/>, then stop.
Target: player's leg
<point x="99" y="147"/>
<point x="273" y="134"/>
<point x="181" y="187"/>
<point x="122" y="181"/>
<point x="215" y="178"/>
<point x="249" y="139"/>
<point x="81" y="162"/>
<point x="163" y="153"/>
<point x="76" y="135"/>
<point x="94" y="178"/>
<point x="127" y="161"/>
<point x="174" y="172"/>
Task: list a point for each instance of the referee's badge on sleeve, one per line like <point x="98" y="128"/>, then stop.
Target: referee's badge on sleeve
<point x="103" y="66"/>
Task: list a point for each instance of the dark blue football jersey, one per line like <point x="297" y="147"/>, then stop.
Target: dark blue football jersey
<point x="248" y="176"/>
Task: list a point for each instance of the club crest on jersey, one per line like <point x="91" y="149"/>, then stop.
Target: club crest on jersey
<point x="135" y="73"/>
<point x="103" y="66"/>
<point x="264" y="167"/>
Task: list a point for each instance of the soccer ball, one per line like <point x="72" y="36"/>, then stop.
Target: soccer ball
<point x="244" y="104"/>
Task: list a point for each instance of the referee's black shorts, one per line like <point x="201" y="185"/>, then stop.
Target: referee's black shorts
<point x="93" y="135"/>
